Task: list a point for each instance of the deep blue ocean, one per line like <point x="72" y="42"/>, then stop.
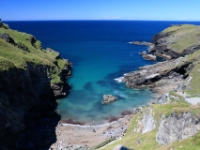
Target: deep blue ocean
<point x="100" y="52"/>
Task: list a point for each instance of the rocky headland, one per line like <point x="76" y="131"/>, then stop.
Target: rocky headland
<point x="31" y="79"/>
<point x="171" y="120"/>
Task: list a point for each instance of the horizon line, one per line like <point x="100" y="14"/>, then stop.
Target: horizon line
<point x="101" y="20"/>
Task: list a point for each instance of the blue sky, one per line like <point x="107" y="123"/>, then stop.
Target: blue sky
<point x="100" y="10"/>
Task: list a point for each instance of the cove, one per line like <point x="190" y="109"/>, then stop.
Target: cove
<point x="100" y="53"/>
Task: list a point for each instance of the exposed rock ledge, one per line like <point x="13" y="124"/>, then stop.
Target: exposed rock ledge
<point x="141" y="43"/>
<point x="158" y="75"/>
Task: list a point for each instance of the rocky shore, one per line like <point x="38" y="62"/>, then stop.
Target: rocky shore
<point x="174" y="72"/>
<point x="160" y="78"/>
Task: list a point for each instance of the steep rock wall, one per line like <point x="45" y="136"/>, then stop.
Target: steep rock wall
<point x="177" y="127"/>
<point x="27" y="97"/>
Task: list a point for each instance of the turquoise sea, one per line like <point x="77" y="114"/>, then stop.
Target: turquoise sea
<point x="100" y="53"/>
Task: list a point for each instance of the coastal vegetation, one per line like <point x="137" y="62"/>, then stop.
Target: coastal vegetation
<point x="146" y="141"/>
<point x="18" y="49"/>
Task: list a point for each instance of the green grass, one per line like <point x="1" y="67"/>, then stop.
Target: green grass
<point x="13" y="57"/>
<point x="130" y="139"/>
<point x="191" y="143"/>
<point x="55" y="79"/>
<point x="104" y="143"/>
<point x="182" y="37"/>
<point x="62" y="63"/>
<point x="193" y="88"/>
<point x="148" y="140"/>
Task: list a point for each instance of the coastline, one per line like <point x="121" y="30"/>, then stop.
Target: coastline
<point x="73" y="134"/>
<point x="77" y="136"/>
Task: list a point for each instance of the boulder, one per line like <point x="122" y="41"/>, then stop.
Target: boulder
<point x="108" y="99"/>
<point x="7" y="38"/>
<point x="143" y="53"/>
<point x="148" y="56"/>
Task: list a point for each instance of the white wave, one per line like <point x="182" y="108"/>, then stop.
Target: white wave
<point x="89" y="126"/>
<point x="120" y="79"/>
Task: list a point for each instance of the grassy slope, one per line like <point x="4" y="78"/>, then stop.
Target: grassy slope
<point x="11" y="56"/>
<point x="185" y="36"/>
<point x="193" y="87"/>
<point x="147" y="140"/>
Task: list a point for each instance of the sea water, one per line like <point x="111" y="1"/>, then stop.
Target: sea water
<point x="100" y="53"/>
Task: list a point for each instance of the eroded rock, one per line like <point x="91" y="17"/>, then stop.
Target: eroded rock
<point x="146" y="123"/>
<point x="108" y="99"/>
<point x="148" y="56"/>
<point x="177" y="127"/>
<point x="7" y="38"/>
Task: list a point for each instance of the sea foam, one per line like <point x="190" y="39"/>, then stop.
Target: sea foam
<point x="120" y="79"/>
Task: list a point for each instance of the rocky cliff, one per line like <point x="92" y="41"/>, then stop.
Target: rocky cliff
<point x="177" y="127"/>
<point x="176" y="41"/>
<point x="179" y="45"/>
<point x="169" y="122"/>
<point x="31" y="78"/>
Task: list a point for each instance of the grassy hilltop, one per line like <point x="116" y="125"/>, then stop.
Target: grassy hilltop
<point x="183" y="37"/>
<point x="22" y="48"/>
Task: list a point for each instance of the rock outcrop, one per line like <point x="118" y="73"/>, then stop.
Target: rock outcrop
<point x="146" y="122"/>
<point x="7" y="38"/>
<point x="152" y="76"/>
<point x="177" y="127"/>
<point x="141" y="43"/>
<point x="148" y="56"/>
<point x="108" y="99"/>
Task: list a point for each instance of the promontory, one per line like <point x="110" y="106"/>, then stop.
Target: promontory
<point x="31" y="79"/>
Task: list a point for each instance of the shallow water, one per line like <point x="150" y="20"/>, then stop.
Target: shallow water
<point x="100" y="52"/>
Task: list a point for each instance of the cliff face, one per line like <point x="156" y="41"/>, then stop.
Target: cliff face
<point x="176" y="41"/>
<point x="30" y="80"/>
<point x="177" y="127"/>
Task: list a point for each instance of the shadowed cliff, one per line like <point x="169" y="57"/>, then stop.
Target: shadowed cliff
<point x="30" y="81"/>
